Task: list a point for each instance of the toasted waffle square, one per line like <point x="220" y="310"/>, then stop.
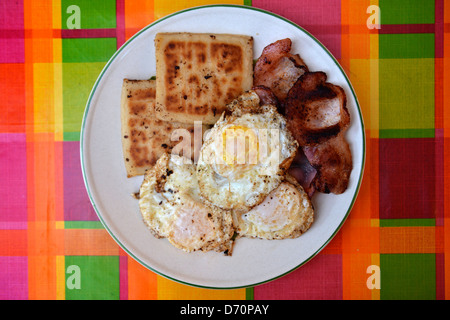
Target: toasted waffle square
<point x="197" y="74"/>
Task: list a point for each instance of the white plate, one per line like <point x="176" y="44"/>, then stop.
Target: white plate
<point x="253" y="261"/>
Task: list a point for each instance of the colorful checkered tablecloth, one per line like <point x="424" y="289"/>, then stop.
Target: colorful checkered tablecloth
<point x="395" y="243"/>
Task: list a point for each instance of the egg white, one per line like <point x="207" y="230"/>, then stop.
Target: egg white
<point x="172" y="208"/>
<point x="241" y="185"/>
<point x="286" y="212"/>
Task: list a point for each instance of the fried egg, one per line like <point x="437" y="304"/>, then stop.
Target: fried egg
<point x="245" y="155"/>
<point x="286" y="212"/>
<point x="172" y="208"/>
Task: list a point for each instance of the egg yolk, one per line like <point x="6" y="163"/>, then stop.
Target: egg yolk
<point x="240" y="146"/>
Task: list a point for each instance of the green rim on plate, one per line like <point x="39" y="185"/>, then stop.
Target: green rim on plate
<point x="88" y="105"/>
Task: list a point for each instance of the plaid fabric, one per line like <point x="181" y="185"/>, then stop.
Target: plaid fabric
<point x="399" y="222"/>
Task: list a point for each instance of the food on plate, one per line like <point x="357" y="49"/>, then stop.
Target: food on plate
<point x="287" y="212"/>
<point x="332" y="160"/>
<point x="316" y="109"/>
<point x="171" y="207"/>
<point x="277" y="137"/>
<point x="278" y="69"/>
<point x="303" y="172"/>
<point x="316" y="114"/>
<point x="266" y="96"/>
<point x="197" y="74"/>
<point x="245" y="155"/>
<point x="318" y="118"/>
<point x="144" y="137"/>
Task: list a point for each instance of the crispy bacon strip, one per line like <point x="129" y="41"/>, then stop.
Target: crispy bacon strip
<point x="278" y="69"/>
<point x="333" y="161"/>
<point x="303" y="172"/>
<point x="266" y="96"/>
<point x="316" y="114"/>
<point x="318" y="118"/>
<point x="315" y="109"/>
